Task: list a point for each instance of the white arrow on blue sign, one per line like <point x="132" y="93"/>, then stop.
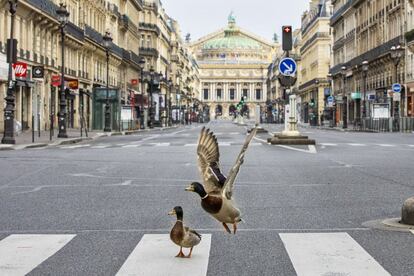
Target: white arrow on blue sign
<point x="396" y="87"/>
<point x="287" y="66"/>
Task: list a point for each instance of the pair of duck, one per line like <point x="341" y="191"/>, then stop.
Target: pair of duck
<point x="216" y="194"/>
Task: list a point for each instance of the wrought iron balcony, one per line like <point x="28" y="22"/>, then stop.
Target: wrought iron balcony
<point x="148" y="51"/>
<point x="149" y="27"/>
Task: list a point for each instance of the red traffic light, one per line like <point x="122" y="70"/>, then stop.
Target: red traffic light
<point x="287" y="29"/>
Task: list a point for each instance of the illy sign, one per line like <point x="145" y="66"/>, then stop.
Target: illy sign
<point x="20" y="69"/>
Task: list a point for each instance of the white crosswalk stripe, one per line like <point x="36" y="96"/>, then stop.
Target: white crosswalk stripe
<point x="20" y="254"/>
<point x="160" y="144"/>
<point x="315" y="254"/>
<point x="412" y="231"/>
<point x="100" y="147"/>
<point x="153" y="256"/>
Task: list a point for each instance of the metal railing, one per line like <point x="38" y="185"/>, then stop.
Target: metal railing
<point x="404" y="124"/>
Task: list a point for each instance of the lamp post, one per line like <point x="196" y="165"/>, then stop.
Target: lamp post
<point x="141" y="66"/>
<point x="107" y="39"/>
<point x="9" y="135"/>
<point x="345" y="99"/>
<point x="365" y="67"/>
<point x="397" y="53"/>
<point x="63" y="16"/>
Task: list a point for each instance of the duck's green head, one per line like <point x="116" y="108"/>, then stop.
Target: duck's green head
<point x="178" y="211"/>
<point x="197" y="188"/>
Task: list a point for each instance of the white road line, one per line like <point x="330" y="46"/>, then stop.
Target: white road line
<point x="131" y="146"/>
<point x="311" y="148"/>
<point x="356" y="145"/>
<point x="315" y="254"/>
<point x="411" y="146"/>
<point x="234" y="133"/>
<point x="160" y="144"/>
<point x="224" y="144"/>
<point x="190" y="145"/>
<point x="261" y="140"/>
<point x="412" y="231"/>
<point x="386" y="145"/>
<point x="75" y="147"/>
<point x="100" y="147"/>
<point x="154" y="256"/>
<point x="20" y="254"/>
<point x="255" y="144"/>
<point x="328" y="144"/>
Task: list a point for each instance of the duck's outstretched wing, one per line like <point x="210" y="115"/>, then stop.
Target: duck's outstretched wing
<point x="229" y="184"/>
<point x="208" y="162"/>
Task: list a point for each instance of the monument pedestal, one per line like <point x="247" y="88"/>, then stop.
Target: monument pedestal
<point x="291" y="134"/>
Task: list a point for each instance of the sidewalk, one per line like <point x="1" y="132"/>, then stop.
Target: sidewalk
<point x="24" y="139"/>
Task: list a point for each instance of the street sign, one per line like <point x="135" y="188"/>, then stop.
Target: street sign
<point x="396" y="87"/>
<point x="134" y="81"/>
<point x="38" y="72"/>
<point x="330" y="100"/>
<point x="20" y="69"/>
<point x="287" y="66"/>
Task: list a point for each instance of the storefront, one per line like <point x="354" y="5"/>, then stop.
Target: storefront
<point x="99" y="102"/>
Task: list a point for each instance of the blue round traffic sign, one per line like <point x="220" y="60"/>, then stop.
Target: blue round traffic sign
<point x="287" y="66"/>
<point x="396" y="87"/>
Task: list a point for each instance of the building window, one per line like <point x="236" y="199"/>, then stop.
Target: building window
<point x="232" y="94"/>
<point x="218" y="94"/>
<point x="246" y="94"/>
<point x="258" y="94"/>
<point x="205" y="94"/>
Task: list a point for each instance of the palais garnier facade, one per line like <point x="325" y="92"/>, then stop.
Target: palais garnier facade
<point x="233" y="64"/>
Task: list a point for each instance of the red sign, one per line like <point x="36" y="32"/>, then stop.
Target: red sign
<point x="287" y="29"/>
<point x="55" y="80"/>
<point x="20" y="69"/>
<point x="134" y="81"/>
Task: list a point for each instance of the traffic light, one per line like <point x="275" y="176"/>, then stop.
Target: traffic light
<point x="287" y="38"/>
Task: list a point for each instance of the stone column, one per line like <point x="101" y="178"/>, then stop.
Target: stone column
<point x="292" y="129"/>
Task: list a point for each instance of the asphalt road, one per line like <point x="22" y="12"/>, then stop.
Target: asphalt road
<point x="304" y="208"/>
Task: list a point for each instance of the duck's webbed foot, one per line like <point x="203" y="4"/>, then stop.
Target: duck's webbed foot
<point x="180" y="254"/>
<point x="226" y="228"/>
<point x="189" y="254"/>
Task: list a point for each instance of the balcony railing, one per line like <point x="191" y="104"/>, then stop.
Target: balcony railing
<point x="150" y="26"/>
<point x="148" y="51"/>
<point x="338" y="14"/>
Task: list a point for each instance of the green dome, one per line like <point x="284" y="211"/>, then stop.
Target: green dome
<point x="231" y="42"/>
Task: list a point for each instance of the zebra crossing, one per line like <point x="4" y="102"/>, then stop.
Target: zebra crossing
<point x="311" y="254"/>
<point x="149" y="144"/>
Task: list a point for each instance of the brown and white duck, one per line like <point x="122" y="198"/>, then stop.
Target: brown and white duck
<point x="181" y="235"/>
<point x="217" y="192"/>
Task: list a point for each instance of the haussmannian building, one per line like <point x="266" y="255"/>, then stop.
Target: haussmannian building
<point x="366" y="31"/>
<point x="315" y="55"/>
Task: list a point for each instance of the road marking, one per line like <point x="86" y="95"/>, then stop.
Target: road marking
<point x="386" y="145"/>
<point x="311" y="149"/>
<point x="224" y="144"/>
<point x="160" y="144"/>
<point x="190" y="145"/>
<point x="100" y="147"/>
<point x="255" y="144"/>
<point x="75" y="147"/>
<point x="261" y="140"/>
<point x="234" y="133"/>
<point x="412" y="231"/>
<point x="154" y="256"/>
<point x="356" y="145"/>
<point x="328" y="144"/>
<point x="20" y="254"/>
<point x="411" y="146"/>
<point x="130" y="146"/>
<point x="314" y="254"/>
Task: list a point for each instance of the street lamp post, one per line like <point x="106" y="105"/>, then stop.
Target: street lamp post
<point x="63" y="16"/>
<point x="107" y="39"/>
<point x="9" y="135"/>
<point x="396" y="54"/>
<point x="345" y="99"/>
<point x="141" y="66"/>
<point x="365" y="67"/>
<point x="151" y="121"/>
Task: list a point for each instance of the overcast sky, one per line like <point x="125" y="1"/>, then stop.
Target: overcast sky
<point x="262" y="17"/>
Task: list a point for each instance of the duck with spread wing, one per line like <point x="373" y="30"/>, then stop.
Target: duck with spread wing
<point x="217" y="192"/>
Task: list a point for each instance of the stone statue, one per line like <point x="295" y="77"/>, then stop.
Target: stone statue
<point x="275" y="38"/>
<point x="232" y="18"/>
<point x="188" y="37"/>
